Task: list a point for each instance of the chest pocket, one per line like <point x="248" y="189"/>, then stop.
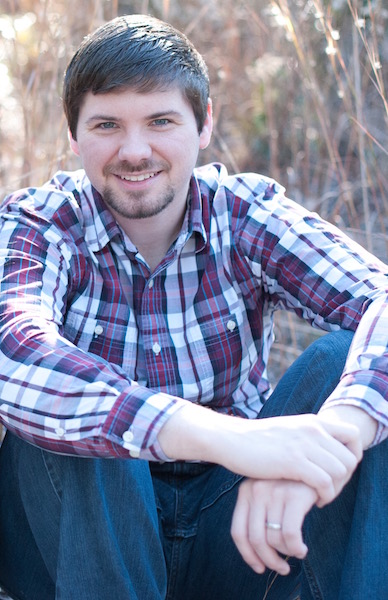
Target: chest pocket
<point x="113" y="342"/>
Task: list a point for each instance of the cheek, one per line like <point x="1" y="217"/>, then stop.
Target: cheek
<point x="95" y="161"/>
<point x="183" y="152"/>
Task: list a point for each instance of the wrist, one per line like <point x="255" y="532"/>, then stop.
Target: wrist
<point x="354" y="415"/>
<point x="192" y="434"/>
<point x="197" y="433"/>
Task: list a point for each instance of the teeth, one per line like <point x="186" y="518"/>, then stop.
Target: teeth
<point x="137" y="177"/>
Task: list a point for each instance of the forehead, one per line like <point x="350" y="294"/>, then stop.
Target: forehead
<point x="132" y="102"/>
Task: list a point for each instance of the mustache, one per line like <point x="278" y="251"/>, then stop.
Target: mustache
<point x="126" y="168"/>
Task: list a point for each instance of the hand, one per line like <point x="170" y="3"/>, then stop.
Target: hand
<point x="345" y="413"/>
<point x="282" y="502"/>
<point x="301" y="448"/>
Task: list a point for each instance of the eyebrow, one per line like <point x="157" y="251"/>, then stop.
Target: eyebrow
<point x="153" y="116"/>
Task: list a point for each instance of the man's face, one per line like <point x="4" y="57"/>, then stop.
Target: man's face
<point x="139" y="150"/>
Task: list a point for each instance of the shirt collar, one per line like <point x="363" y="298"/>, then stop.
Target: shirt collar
<point x="195" y="213"/>
<point x="100" y="225"/>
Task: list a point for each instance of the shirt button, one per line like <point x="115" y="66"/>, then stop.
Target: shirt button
<point x="60" y="431"/>
<point x="151" y="283"/>
<point x="98" y="330"/>
<point x="128" y="436"/>
<point x="134" y="453"/>
<point x="231" y="325"/>
<point x="156" y="348"/>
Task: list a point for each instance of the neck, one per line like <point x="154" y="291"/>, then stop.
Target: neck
<point x="153" y="236"/>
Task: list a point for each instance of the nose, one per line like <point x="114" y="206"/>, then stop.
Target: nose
<point x="134" y="147"/>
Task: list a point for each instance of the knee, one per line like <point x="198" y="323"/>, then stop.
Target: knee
<point x="331" y="350"/>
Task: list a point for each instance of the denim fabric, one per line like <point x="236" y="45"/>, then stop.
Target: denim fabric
<point x="77" y="528"/>
<point x="81" y="528"/>
<point x="195" y="504"/>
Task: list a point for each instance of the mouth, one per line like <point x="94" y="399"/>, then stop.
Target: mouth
<point x="140" y="177"/>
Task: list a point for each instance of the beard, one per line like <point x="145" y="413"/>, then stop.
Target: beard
<point x="137" y="205"/>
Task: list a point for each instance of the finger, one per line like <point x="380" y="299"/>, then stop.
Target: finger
<point x="265" y="540"/>
<point x="326" y="469"/>
<point x="275" y="539"/>
<point x="266" y="544"/>
<point x="239" y="532"/>
<point x="339" y="469"/>
<point x="343" y="453"/>
<point x="316" y="477"/>
<point x="293" y="517"/>
<point x="347" y="434"/>
<point x="339" y="462"/>
<point x="284" y="521"/>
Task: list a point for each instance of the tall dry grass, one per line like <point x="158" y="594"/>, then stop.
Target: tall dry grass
<point x="299" y="91"/>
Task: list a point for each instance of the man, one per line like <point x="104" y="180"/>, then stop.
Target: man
<point x="137" y="298"/>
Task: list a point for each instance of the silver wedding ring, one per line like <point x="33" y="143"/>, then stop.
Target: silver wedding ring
<point x="275" y="526"/>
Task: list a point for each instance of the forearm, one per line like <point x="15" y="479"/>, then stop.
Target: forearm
<point x="197" y="433"/>
<point x="75" y="402"/>
<point x="361" y="396"/>
<point x="296" y="447"/>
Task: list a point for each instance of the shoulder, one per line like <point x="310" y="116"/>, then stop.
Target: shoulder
<point x="65" y="187"/>
<point x="248" y="187"/>
<point x="246" y="195"/>
<point x="60" y="198"/>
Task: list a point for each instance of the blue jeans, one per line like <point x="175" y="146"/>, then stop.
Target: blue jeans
<point x="95" y="529"/>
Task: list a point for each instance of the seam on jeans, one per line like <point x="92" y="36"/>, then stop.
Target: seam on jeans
<point x="52" y="474"/>
<point x="172" y="576"/>
<point x="311" y="580"/>
<point x="226" y="487"/>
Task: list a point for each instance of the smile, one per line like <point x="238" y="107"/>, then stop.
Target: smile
<point x="137" y="177"/>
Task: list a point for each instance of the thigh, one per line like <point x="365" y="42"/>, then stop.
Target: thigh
<point x="91" y="525"/>
<point x="348" y="539"/>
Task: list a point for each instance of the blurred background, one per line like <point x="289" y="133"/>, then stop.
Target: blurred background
<point x="299" y="90"/>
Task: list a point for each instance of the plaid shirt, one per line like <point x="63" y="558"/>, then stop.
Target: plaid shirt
<point x="96" y="352"/>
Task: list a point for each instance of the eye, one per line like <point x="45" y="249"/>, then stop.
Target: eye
<point x="107" y="125"/>
<point x="161" y="122"/>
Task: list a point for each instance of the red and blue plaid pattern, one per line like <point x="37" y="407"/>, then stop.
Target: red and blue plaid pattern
<point x="96" y="352"/>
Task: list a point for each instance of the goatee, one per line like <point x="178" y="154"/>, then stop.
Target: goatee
<point x="137" y="205"/>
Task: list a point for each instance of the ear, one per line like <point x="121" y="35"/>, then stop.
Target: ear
<point x="73" y="143"/>
<point x="206" y="133"/>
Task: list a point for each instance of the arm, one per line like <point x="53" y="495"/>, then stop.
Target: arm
<point x="53" y="393"/>
<point x="312" y="268"/>
<point x="361" y="395"/>
<point x="286" y="503"/>
<point x="296" y="447"/>
<point x="367" y="426"/>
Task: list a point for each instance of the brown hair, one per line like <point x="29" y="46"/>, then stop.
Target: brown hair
<point x="140" y="52"/>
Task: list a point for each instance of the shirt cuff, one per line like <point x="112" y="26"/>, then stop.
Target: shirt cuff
<point x="360" y="390"/>
<point x="136" y="420"/>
